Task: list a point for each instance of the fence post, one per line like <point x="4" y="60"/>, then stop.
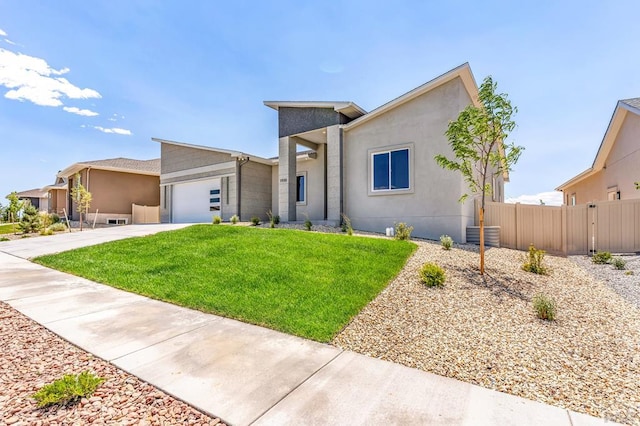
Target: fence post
<point x="517" y="222"/>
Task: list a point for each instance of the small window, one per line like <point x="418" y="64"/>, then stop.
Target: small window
<point x="573" y="199"/>
<point x="214" y="200"/>
<point x="214" y="192"/>
<point x="214" y="208"/>
<point x="301" y="189"/>
<point x="390" y="170"/>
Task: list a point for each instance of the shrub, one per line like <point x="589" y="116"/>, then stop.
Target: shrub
<point x="58" y="226"/>
<point x="54" y="218"/>
<point x="626" y="272"/>
<point x="308" y="224"/>
<point x="403" y="231"/>
<point x="618" y="263"/>
<point x="30" y="221"/>
<point x="255" y="221"/>
<point x="432" y="275"/>
<point x="544" y="306"/>
<point x="601" y="257"/>
<point x="217" y="220"/>
<point x="533" y="262"/>
<point x="46" y="231"/>
<point x="234" y="219"/>
<point x="68" y="389"/>
<point x="274" y="219"/>
<point x="446" y="241"/>
<point x="346" y="224"/>
<point x="4" y="239"/>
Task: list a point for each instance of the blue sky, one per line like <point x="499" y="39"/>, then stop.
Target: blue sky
<point x="93" y="80"/>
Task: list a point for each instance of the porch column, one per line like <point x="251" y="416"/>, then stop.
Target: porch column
<point x="334" y="173"/>
<point x="287" y="179"/>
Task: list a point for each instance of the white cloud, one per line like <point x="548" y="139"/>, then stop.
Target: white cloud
<point x="550" y="198"/>
<point x="33" y="79"/>
<point x="83" y="112"/>
<point x="115" y="130"/>
<point x="2" y="33"/>
<point x="6" y="40"/>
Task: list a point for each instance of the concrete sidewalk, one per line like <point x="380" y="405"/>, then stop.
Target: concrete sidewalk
<point x="239" y="372"/>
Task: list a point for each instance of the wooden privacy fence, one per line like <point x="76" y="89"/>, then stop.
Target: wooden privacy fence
<point x="612" y="226"/>
<point x="145" y="214"/>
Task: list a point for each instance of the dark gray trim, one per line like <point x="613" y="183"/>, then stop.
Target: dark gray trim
<point x="239" y="164"/>
<point x="292" y="121"/>
<point x="341" y="138"/>
<point x="326" y="192"/>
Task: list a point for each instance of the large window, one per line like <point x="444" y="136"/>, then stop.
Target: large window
<point x="390" y="170"/>
<point x="301" y="188"/>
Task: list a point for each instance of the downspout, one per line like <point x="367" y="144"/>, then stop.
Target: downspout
<point x="341" y="138"/>
<point x="241" y="162"/>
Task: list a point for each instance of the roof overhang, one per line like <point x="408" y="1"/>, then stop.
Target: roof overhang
<point x="236" y="154"/>
<point x="463" y="72"/>
<point x="349" y="109"/>
<point x="610" y="136"/>
<point x="77" y="167"/>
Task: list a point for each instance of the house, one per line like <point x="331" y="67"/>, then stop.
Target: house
<point x="115" y="184"/>
<point x="617" y="163"/>
<point x="38" y="198"/>
<point x="376" y="167"/>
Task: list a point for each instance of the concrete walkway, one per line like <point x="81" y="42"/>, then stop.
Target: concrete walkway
<point x="242" y="373"/>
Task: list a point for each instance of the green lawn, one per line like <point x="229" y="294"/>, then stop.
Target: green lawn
<point x="7" y="228"/>
<point x="303" y="283"/>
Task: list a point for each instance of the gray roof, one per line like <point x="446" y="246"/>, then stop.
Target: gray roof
<point x="33" y="193"/>
<point x="633" y="102"/>
<point x="128" y="164"/>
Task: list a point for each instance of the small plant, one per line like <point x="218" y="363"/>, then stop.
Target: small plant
<point x="274" y="219"/>
<point x="234" y="219"/>
<point x="68" y="389"/>
<point x="619" y="263"/>
<point x="346" y="225"/>
<point x="403" y="231"/>
<point x="58" y="226"/>
<point x="54" y="218"/>
<point x="217" y="220"/>
<point x="446" y="242"/>
<point x="601" y="258"/>
<point x="31" y="220"/>
<point x="533" y="262"/>
<point x="432" y="275"/>
<point x="626" y="272"/>
<point x="7" y="239"/>
<point x="308" y="225"/>
<point x="46" y="231"/>
<point x="255" y="221"/>
<point x="544" y="306"/>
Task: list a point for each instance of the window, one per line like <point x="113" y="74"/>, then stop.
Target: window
<point x="613" y="193"/>
<point x="214" y="200"/>
<point x="301" y="188"/>
<point x="390" y="170"/>
<point x="573" y="199"/>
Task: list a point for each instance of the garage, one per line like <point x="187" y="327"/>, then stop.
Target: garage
<point x="196" y="202"/>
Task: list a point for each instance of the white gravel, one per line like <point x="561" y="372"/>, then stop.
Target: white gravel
<point x="483" y="330"/>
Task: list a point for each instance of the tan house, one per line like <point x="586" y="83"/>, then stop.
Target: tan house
<point x="376" y="167"/>
<point x="115" y="185"/>
<point x="36" y="197"/>
<point x="617" y="163"/>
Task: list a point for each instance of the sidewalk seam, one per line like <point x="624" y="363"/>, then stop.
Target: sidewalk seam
<point x="295" y="388"/>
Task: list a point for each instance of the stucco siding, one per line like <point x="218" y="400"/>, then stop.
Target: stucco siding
<point x="431" y="204"/>
<point x="313" y="170"/>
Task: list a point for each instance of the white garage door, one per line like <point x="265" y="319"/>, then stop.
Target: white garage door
<point x="196" y="202"/>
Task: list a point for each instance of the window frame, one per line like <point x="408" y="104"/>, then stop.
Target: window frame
<point x="303" y="175"/>
<point x="409" y="147"/>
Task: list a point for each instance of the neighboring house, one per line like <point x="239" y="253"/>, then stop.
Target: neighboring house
<point x="115" y="184"/>
<point x="378" y="168"/>
<point x="617" y="163"/>
<point x="37" y="197"/>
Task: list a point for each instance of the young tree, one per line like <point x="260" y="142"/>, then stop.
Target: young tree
<point x="14" y="207"/>
<point x="30" y="220"/>
<point x="477" y="138"/>
<point x="82" y="198"/>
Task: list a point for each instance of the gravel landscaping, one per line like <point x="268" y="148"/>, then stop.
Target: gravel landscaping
<point x="32" y="356"/>
<point x="485" y="331"/>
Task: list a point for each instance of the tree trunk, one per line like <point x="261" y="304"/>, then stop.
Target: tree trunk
<point x="481" y="241"/>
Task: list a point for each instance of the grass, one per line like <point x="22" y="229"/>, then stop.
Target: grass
<point x="7" y="228"/>
<point x="306" y="284"/>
